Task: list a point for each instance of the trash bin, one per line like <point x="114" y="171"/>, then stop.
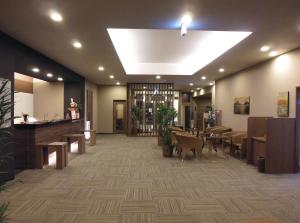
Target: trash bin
<point x="261" y="164"/>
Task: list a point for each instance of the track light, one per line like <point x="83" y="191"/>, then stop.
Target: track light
<point x="184" y="23"/>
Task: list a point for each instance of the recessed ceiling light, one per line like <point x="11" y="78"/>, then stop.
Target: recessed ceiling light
<point x="111" y="76"/>
<point x="56" y="17"/>
<point x="211" y="83"/>
<point x="77" y="44"/>
<point x="157" y="77"/>
<point x="49" y="75"/>
<point x="60" y="79"/>
<point x="265" y="48"/>
<point x="191" y="84"/>
<point x="101" y="68"/>
<point x="221" y="70"/>
<point x="192" y="90"/>
<point x="130" y="45"/>
<point x="273" y="53"/>
<point x="203" y="78"/>
<point x="198" y="88"/>
<point x="35" y="70"/>
<point x="118" y="83"/>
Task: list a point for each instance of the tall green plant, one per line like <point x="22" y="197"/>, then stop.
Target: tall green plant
<point x="5" y="136"/>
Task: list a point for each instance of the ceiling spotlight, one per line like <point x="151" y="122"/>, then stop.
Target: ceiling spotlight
<point x="56" y="17"/>
<point x="118" y="83"/>
<point x="35" y="70"/>
<point x="60" y="79"/>
<point x="203" y="78"/>
<point x="77" y="44"/>
<point x="49" y="75"/>
<point x="186" y="19"/>
<point x="192" y="90"/>
<point x="211" y="83"/>
<point x="221" y="70"/>
<point x="265" y="48"/>
<point x="198" y="88"/>
<point x="157" y="77"/>
<point x="111" y="76"/>
<point x="191" y="84"/>
<point x="101" y="68"/>
<point x="273" y="53"/>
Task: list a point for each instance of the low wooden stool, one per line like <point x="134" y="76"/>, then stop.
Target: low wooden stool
<point x="42" y="154"/>
<point x="92" y="136"/>
<point x="77" y="137"/>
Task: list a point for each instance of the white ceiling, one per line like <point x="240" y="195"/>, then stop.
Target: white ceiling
<point x="273" y="22"/>
<point x="166" y="52"/>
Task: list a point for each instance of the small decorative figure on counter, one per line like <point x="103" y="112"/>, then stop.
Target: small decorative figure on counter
<point x="73" y="110"/>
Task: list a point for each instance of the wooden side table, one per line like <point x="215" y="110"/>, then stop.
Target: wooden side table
<point x="92" y="139"/>
<point x="80" y="138"/>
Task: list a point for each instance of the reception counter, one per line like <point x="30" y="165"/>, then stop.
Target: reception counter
<point x="28" y="135"/>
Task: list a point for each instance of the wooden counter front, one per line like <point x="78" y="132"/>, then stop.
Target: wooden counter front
<point x="28" y="135"/>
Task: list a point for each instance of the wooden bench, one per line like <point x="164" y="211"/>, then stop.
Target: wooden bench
<point x="42" y="154"/>
<point x="92" y="138"/>
<point x="80" y="138"/>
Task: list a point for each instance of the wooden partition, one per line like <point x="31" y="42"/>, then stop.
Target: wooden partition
<point x="274" y="139"/>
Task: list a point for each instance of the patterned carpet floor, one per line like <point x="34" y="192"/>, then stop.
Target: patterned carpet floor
<point x="126" y="179"/>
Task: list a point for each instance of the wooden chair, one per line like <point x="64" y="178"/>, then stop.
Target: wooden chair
<point x="42" y="154"/>
<point x="238" y="144"/>
<point x="188" y="142"/>
<point x="75" y="137"/>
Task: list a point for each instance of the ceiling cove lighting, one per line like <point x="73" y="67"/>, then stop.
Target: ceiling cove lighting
<point x="101" y="68"/>
<point x="60" y="79"/>
<point x="185" y="21"/>
<point x="55" y="16"/>
<point x="273" y="54"/>
<point x="111" y="76"/>
<point x="203" y="78"/>
<point x="49" y="75"/>
<point x="118" y="83"/>
<point x="77" y="44"/>
<point x="221" y="70"/>
<point x="36" y="70"/>
<point x="157" y="77"/>
<point x="139" y="50"/>
<point x="264" y="48"/>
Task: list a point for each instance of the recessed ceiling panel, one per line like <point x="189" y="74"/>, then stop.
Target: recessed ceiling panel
<point x="166" y="52"/>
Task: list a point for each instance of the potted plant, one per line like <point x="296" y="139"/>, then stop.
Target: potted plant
<point x="6" y="159"/>
<point x="136" y="114"/>
<point x="167" y="144"/>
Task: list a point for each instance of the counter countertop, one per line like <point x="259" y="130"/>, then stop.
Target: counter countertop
<point x="45" y="123"/>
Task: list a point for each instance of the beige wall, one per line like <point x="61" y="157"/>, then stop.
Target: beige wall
<point x="94" y="88"/>
<point x="48" y="100"/>
<point x="262" y="83"/>
<point x="106" y="95"/>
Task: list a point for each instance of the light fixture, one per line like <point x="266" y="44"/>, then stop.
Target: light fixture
<point x="198" y="88"/>
<point x="60" y="79"/>
<point x="101" y="68"/>
<point x="118" y="83"/>
<point x="111" y="76"/>
<point x="186" y="19"/>
<point x="56" y="17"/>
<point x="203" y="78"/>
<point x="221" y="70"/>
<point x="77" y="44"/>
<point x="49" y="75"/>
<point x="157" y="77"/>
<point x="36" y="70"/>
<point x="191" y="84"/>
<point x="192" y="90"/>
<point x="144" y="87"/>
<point x="211" y="83"/>
<point x="265" y="48"/>
<point x="273" y="53"/>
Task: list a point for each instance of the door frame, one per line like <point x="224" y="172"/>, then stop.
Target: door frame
<point x="124" y="102"/>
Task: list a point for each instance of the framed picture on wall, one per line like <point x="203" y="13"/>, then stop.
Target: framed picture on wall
<point x="5" y="103"/>
<point x="242" y="105"/>
<point x="283" y="104"/>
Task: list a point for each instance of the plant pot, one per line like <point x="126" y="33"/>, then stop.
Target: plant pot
<point x="159" y="140"/>
<point x="167" y="151"/>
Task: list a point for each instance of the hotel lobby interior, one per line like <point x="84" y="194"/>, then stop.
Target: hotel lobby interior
<point x="146" y="111"/>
